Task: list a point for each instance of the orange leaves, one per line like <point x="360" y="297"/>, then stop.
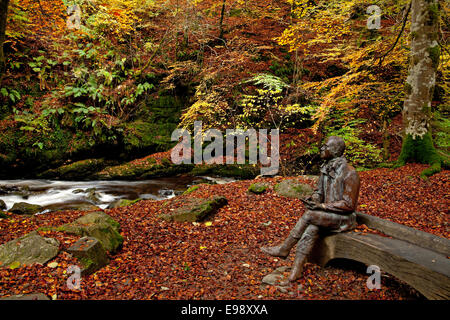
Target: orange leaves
<point x="43" y="18"/>
<point x="161" y="260"/>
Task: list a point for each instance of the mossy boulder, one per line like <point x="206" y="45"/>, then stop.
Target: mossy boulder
<point x="97" y="225"/>
<point x="77" y="170"/>
<point x="293" y="188"/>
<point x="122" y="203"/>
<point x="196" y="209"/>
<point x="27" y="250"/>
<point x="90" y="252"/>
<point x="241" y="171"/>
<point x="92" y="195"/>
<point x="2" y="205"/>
<point x="145" y="169"/>
<point x="191" y="189"/>
<point x="258" y="188"/>
<point x="24" y="208"/>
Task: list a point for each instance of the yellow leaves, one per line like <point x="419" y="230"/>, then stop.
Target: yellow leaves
<point x="14" y="265"/>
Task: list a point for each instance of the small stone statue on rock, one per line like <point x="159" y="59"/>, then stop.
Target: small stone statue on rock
<point x="331" y="207"/>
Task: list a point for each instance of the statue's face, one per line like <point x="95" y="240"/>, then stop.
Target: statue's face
<point x="325" y="150"/>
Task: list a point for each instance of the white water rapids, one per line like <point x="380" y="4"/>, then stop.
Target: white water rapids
<point x="58" y="195"/>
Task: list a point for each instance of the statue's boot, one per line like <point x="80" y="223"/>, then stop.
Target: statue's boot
<point x="304" y="248"/>
<point x="281" y="250"/>
<point x="297" y="268"/>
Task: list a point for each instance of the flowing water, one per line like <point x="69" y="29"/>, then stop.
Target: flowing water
<point x="62" y="195"/>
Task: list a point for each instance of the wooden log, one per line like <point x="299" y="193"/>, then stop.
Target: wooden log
<point x="401" y="232"/>
<point x="425" y="270"/>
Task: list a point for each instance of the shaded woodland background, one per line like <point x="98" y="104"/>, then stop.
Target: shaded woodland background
<point x="117" y="87"/>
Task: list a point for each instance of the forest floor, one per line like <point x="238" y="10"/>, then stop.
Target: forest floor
<point x="220" y="258"/>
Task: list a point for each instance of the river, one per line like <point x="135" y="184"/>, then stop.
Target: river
<point x="63" y="195"/>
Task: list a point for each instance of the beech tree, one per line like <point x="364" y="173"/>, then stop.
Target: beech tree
<point x="424" y="60"/>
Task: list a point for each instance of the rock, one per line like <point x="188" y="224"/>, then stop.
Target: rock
<point x="283" y="269"/>
<point x="2" y="205"/>
<point x="29" y="249"/>
<point x="272" y="279"/>
<point x="122" y="203"/>
<point x="90" y="252"/>
<point x="166" y="192"/>
<point x="31" y="296"/>
<point x="98" y="225"/>
<point x="258" y="188"/>
<point x="3" y="215"/>
<point x="77" y="170"/>
<point x="191" y="189"/>
<point x="292" y="188"/>
<point x="196" y="209"/>
<point x="9" y="190"/>
<point x="277" y="279"/>
<point x="25" y="208"/>
<point x="85" y="207"/>
<point x="92" y="195"/>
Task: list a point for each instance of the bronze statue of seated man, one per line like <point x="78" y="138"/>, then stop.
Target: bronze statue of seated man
<point x="331" y="206"/>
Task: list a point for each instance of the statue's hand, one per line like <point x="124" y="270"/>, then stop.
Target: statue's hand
<point x="315" y="198"/>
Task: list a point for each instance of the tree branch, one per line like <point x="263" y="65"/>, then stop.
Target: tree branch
<point x="405" y="18"/>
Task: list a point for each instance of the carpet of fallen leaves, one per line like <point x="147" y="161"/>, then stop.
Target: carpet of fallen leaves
<point x="220" y="258"/>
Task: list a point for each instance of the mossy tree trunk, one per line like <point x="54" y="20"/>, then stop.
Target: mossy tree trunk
<point x="425" y="52"/>
<point x="3" y="17"/>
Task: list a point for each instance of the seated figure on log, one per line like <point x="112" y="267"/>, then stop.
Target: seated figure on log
<point x="331" y="206"/>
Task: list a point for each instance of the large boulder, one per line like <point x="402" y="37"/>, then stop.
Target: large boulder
<point x="293" y="188"/>
<point x="90" y="252"/>
<point x="29" y="249"/>
<point x="196" y="209"/>
<point x="97" y="225"/>
<point x="25" y="208"/>
<point x="2" y="205"/>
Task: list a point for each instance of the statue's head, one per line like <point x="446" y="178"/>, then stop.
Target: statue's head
<point x="332" y="148"/>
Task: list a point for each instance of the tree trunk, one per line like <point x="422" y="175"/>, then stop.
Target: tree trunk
<point x="425" y="52"/>
<point x="3" y="18"/>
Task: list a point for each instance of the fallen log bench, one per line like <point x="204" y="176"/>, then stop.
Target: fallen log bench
<point x="415" y="257"/>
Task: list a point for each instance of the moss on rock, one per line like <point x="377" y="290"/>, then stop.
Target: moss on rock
<point x="196" y="209"/>
<point x="292" y="188"/>
<point x="97" y="225"/>
<point x="77" y="170"/>
<point x="25" y="208"/>
<point x="244" y="171"/>
<point x="258" y="188"/>
<point x="191" y="189"/>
